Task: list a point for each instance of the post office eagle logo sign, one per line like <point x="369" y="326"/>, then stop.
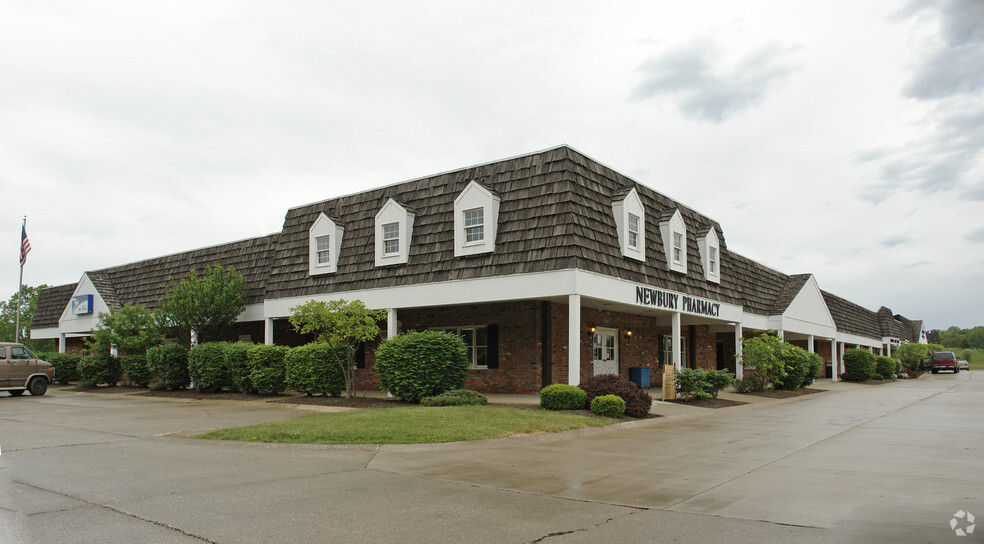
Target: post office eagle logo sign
<point x="81" y="305"/>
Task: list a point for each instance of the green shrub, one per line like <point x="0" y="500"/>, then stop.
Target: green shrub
<point x="415" y="365"/>
<point x="66" y="366"/>
<point x="637" y="401"/>
<point x="701" y="383"/>
<point x="456" y="397"/>
<point x="911" y="355"/>
<point x="885" y="366"/>
<point x="560" y="396"/>
<point x="764" y="353"/>
<point x="169" y="364"/>
<point x="235" y="361"/>
<point x="859" y="364"/>
<point x="97" y="369"/>
<point x="207" y="368"/>
<point x="608" y="405"/>
<point x="136" y="370"/>
<point x="967" y="355"/>
<point x="752" y="383"/>
<point x="898" y="368"/>
<point x="313" y="369"/>
<point x="266" y="368"/>
<point x="797" y="365"/>
<point x="877" y="377"/>
<point x="815" y="366"/>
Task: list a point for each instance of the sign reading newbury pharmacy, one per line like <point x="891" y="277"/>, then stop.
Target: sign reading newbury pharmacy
<point x="673" y="301"/>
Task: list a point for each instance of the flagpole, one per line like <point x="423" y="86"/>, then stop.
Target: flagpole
<point x="20" y="282"/>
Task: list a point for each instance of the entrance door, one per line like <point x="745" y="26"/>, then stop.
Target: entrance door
<point x="605" y="352"/>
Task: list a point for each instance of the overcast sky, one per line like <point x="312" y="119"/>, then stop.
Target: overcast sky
<point x="839" y="138"/>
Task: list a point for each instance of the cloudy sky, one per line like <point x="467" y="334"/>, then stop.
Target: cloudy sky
<point x="841" y="138"/>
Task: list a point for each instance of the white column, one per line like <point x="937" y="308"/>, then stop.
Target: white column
<point x="268" y="331"/>
<point x="392" y="326"/>
<point x="61" y="343"/>
<point x="889" y="348"/>
<point x="809" y="344"/>
<point x="194" y="338"/>
<point x="573" y="339"/>
<point x="833" y="360"/>
<point x="782" y="335"/>
<point x="677" y="343"/>
<point x="739" y="369"/>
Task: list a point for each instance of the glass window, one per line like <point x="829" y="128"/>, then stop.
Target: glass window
<point x="633" y="231"/>
<point x="391" y="238"/>
<point x="3" y="353"/>
<point x="668" y="350"/>
<point x="713" y="258"/>
<point x="476" y="340"/>
<point x="474" y="225"/>
<point x="677" y="247"/>
<point x="17" y="352"/>
<point x="324" y="249"/>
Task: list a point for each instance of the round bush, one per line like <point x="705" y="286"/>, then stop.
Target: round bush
<point x="797" y="364"/>
<point x="207" y="368"/>
<point x="136" y="370"/>
<point x="97" y="369"/>
<point x="66" y="366"/>
<point x="456" y="397"/>
<point x="169" y="364"/>
<point x="608" y="405"/>
<point x="885" y="366"/>
<point x="266" y="368"/>
<point x="815" y="367"/>
<point x="313" y="369"/>
<point x="859" y="364"/>
<point x="415" y="365"/>
<point x="877" y="377"/>
<point x="561" y="396"/>
<point x="637" y="401"/>
<point x="235" y="361"/>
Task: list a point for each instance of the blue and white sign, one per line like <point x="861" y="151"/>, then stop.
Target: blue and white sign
<point x="81" y="304"/>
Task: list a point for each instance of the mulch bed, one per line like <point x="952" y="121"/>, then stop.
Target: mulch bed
<point x="784" y="394"/>
<point x="708" y="403"/>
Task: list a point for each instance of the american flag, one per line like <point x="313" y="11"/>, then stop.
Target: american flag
<point x="25" y="245"/>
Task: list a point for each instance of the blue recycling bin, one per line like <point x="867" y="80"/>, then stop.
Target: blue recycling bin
<point x="639" y="376"/>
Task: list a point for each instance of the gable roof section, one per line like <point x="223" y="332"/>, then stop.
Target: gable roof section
<point x="51" y="303"/>
<point x="794" y="284"/>
<point x="852" y="318"/>
<point x="104" y="285"/>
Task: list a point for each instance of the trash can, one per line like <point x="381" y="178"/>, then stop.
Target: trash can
<point x="639" y="376"/>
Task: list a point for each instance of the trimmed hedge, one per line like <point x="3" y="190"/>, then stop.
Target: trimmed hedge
<point x="97" y="369"/>
<point x="561" y="396"/>
<point x="797" y="362"/>
<point x="637" y="401"/>
<point x="700" y="383"/>
<point x="313" y="369"/>
<point x="169" y="364"/>
<point x="608" y="405"/>
<point x="66" y="366"/>
<point x="235" y="361"/>
<point x="135" y="369"/>
<point x="456" y="397"/>
<point x="207" y="368"/>
<point x="859" y="364"/>
<point x="885" y="366"/>
<point x="266" y="368"/>
<point x="415" y="365"/>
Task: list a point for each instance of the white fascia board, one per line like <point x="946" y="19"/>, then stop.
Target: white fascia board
<point x="848" y="338"/>
<point x="805" y="327"/>
<point x="253" y="312"/>
<point x="756" y="322"/>
<point x="603" y="287"/>
<point x="45" y="333"/>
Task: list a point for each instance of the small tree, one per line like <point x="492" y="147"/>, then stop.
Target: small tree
<point x="132" y="329"/>
<point x="208" y="305"/>
<point x="343" y="325"/>
<point x="765" y="354"/>
<point x="911" y="355"/>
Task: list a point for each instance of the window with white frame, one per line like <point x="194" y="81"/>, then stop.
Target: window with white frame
<point x="673" y="231"/>
<point x="712" y="260"/>
<point x="709" y="245"/>
<point x="474" y="225"/>
<point x="633" y="231"/>
<point x="391" y="238"/>
<point x="324" y="249"/>
<point x="324" y="244"/>
<point x="677" y="247"/>
<point x="476" y="339"/>
<point x="668" y="350"/>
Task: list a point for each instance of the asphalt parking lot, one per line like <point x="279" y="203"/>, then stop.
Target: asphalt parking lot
<point x="857" y="463"/>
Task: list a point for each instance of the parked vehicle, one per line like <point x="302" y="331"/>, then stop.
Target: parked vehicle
<point x="963" y="365"/>
<point x="945" y="360"/>
<point x="21" y="370"/>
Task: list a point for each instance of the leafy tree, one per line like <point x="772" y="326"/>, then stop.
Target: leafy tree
<point x="8" y="318"/>
<point x="911" y="355"/>
<point x="765" y="354"/>
<point x="343" y="325"/>
<point x="207" y="305"/>
<point x="132" y="329"/>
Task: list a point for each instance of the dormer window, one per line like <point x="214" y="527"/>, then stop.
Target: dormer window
<point x="474" y="225"/>
<point x="476" y="216"/>
<point x="674" y="233"/>
<point x="394" y="229"/>
<point x="710" y="253"/>
<point x="324" y="244"/>
<point x="630" y="223"/>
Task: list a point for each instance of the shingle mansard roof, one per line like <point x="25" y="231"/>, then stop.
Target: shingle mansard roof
<point x="555" y="213"/>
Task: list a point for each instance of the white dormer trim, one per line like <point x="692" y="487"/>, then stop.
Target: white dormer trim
<point x="323" y="226"/>
<point x="75" y="318"/>
<point x="674" y="231"/>
<point x="630" y="223"/>
<point x="392" y="213"/>
<point x="710" y="255"/>
<point x="478" y="202"/>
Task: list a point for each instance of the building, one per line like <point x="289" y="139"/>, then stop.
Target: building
<point x="550" y="265"/>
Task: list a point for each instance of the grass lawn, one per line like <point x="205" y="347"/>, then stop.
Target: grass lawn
<point x="409" y="425"/>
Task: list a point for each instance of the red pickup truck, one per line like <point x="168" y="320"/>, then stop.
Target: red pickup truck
<point x="944" y="360"/>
